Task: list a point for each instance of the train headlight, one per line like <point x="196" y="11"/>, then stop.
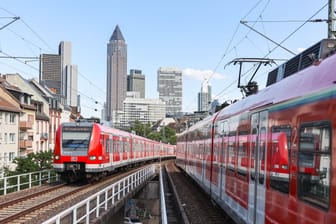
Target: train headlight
<point x="92" y="158"/>
<point x="285" y="167"/>
<point x="100" y="158"/>
<point x="57" y="157"/>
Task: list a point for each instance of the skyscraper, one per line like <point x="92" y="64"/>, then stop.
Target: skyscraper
<point x="170" y="89"/>
<point x="69" y="73"/>
<point x="116" y="85"/>
<point x="136" y="82"/>
<point x="51" y="72"/>
<point x="204" y="97"/>
<point x="57" y="72"/>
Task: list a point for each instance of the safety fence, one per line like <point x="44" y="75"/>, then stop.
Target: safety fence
<point x="96" y="204"/>
<point x="14" y="183"/>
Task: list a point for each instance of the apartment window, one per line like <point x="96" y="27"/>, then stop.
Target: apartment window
<point x="11" y="137"/>
<point x="11" y="156"/>
<point x="12" y="118"/>
<point x="5" y="138"/>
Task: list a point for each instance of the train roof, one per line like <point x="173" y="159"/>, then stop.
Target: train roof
<point x="321" y="75"/>
<point x="199" y="125"/>
<point x="114" y="130"/>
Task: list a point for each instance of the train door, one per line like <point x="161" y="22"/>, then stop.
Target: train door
<point x="111" y="149"/>
<point x="257" y="178"/>
<point x="224" y="135"/>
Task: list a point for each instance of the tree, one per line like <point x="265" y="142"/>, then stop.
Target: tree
<point x="141" y="129"/>
<point x="25" y="164"/>
<point x="44" y="159"/>
<point x="166" y="134"/>
<point x="155" y="136"/>
<point x="34" y="162"/>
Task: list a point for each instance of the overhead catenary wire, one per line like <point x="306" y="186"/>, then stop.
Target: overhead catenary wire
<point x="231" y="40"/>
<point x="280" y="43"/>
<point x="18" y="58"/>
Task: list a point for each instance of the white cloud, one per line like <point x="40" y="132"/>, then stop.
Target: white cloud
<point x="201" y="74"/>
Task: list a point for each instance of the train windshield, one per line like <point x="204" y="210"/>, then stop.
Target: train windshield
<point x="75" y="140"/>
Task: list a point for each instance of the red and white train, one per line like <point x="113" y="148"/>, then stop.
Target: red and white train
<point x="270" y="158"/>
<point x="90" y="150"/>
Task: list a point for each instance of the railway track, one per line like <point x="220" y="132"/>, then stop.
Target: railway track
<point x="194" y="203"/>
<point x="18" y="208"/>
<point x="40" y="205"/>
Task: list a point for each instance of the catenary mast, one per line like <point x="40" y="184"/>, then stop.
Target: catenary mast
<point x="331" y="20"/>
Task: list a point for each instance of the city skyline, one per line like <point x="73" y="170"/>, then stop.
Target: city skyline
<point x="199" y="38"/>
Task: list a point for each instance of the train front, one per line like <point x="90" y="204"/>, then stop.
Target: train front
<point x="74" y="146"/>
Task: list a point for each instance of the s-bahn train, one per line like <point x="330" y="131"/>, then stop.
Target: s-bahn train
<point x="270" y="157"/>
<point x="90" y="150"/>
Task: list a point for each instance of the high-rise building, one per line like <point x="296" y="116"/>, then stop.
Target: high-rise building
<point x="51" y="72"/>
<point x="71" y="85"/>
<point x="204" y="97"/>
<point x="116" y="85"/>
<point x="69" y="73"/>
<point x="170" y="89"/>
<point x="143" y="110"/>
<point x="136" y="82"/>
<point x="59" y="74"/>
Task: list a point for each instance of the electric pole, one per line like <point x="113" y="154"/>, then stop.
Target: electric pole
<point x="331" y="20"/>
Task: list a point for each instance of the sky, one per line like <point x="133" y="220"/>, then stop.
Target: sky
<point x="200" y="37"/>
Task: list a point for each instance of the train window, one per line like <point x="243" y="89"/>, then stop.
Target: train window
<point x="115" y="146"/>
<point x="120" y="146"/>
<point x="107" y="145"/>
<point x="262" y="150"/>
<point x="200" y="151"/>
<point x="110" y="145"/>
<point x="221" y="128"/>
<point x="253" y="147"/>
<point x="124" y="146"/>
<point x="127" y="146"/>
<point x="231" y="151"/>
<point x="315" y="163"/>
<point x="75" y="142"/>
<point x="280" y="157"/>
<point x="242" y="153"/>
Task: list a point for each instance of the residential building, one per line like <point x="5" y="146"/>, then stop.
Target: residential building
<point x="9" y="129"/>
<point x="116" y="85"/>
<point x="41" y="105"/>
<point x="58" y="113"/>
<point x="26" y="119"/>
<point x="136" y="82"/>
<point x="170" y="89"/>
